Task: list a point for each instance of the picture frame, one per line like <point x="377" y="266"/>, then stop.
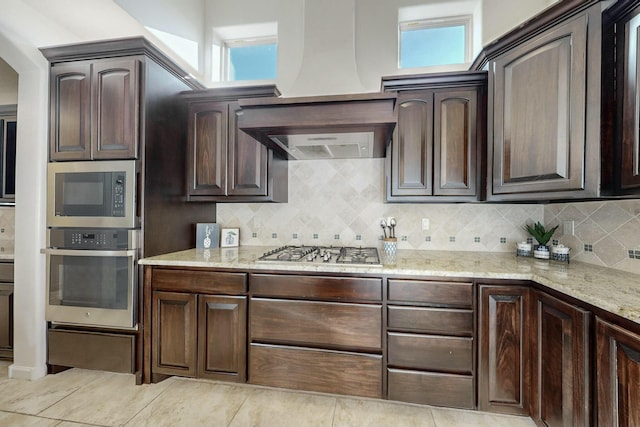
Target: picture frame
<point x="229" y="237"/>
<point x="207" y="235"/>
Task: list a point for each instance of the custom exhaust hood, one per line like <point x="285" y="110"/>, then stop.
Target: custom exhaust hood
<point x="315" y="123"/>
<point x="321" y="127"/>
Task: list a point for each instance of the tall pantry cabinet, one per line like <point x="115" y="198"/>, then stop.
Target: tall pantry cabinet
<point x="120" y="99"/>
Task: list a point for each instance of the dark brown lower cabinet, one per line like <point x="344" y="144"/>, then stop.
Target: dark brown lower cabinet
<point x="560" y="384"/>
<point x="6" y="321"/>
<point x="618" y="382"/>
<point x="313" y="369"/>
<point x="504" y="353"/>
<point x="316" y="333"/>
<point x="199" y="335"/>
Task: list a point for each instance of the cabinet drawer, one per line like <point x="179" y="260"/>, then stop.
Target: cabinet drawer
<point x="430" y="388"/>
<point x="448" y="354"/>
<point x="91" y="350"/>
<point x="437" y="293"/>
<point x="313" y="323"/>
<point x="316" y="287"/>
<point x="6" y="272"/>
<point x="431" y="320"/>
<point x="316" y="370"/>
<point x="196" y="281"/>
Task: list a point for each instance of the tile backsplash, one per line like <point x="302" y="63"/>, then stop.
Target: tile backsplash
<point x="341" y="202"/>
<point x="7" y="223"/>
<point x="605" y="233"/>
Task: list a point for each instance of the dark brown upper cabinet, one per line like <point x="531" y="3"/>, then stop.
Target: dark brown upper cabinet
<point x="437" y="150"/>
<point x="620" y="85"/>
<point x="226" y="164"/>
<point x="544" y="122"/>
<point x="95" y="109"/>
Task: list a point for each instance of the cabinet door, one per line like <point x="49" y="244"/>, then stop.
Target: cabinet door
<point x="222" y="348"/>
<point x="412" y="147"/>
<point x="455" y="138"/>
<point x="618" y="367"/>
<point x="560" y="384"/>
<point x="539" y="91"/>
<point x="115" y="87"/>
<point x="504" y="361"/>
<point x="6" y="318"/>
<point x="629" y="80"/>
<point x="70" y="111"/>
<point x="207" y="144"/>
<point x="247" y="161"/>
<point x="174" y="333"/>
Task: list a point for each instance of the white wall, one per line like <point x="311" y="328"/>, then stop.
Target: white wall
<point x="500" y="16"/>
<point x="181" y="21"/>
<point x="8" y="84"/>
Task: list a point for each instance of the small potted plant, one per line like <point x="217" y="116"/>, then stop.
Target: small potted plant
<point x="542" y="236"/>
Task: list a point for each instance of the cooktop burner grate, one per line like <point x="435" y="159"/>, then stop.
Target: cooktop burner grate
<point x="339" y="255"/>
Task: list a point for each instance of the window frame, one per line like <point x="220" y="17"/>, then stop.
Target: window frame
<point x="228" y="44"/>
<point x="441" y="22"/>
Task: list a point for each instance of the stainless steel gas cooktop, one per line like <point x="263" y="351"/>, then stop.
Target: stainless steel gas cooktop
<point x="340" y="255"/>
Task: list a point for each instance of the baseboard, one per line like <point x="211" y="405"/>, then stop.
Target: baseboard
<point x="27" y="372"/>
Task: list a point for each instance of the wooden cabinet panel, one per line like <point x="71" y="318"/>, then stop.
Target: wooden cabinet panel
<point x="430" y="320"/>
<point x="455" y="139"/>
<point x="248" y="160"/>
<point x="629" y="84"/>
<point x="199" y="281"/>
<point x="91" y="350"/>
<point x="430" y="388"/>
<point x="6" y="319"/>
<point x="618" y="382"/>
<point x="539" y="95"/>
<point x="453" y="294"/>
<point x="316" y="287"/>
<point x="313" y="323"/>
<point x="222" y="347"/>
<point x="116" y="88"/>
<point x="225" y="163"/>
<point x="428" y="352"/>
<point x="560" y="385"/>
<point x="174" y="333"/>
<point x="412" y="147"/>
<point x="504" y="354"/>
<point x="207" y="145"/>
<point x="70" y="109"/>
<point x="316" y="370"/>
<point x="95" y="109"/>
<point x="438" y="144"/>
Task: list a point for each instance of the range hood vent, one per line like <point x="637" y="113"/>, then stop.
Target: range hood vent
<point x="323" y="127"/>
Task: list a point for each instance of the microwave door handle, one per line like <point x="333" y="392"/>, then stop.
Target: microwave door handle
<point x="79" y="252"/>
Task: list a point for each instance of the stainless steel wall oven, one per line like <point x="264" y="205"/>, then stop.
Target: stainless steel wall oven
<point x="92" y="277"/>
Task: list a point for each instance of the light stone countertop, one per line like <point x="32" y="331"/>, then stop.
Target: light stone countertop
<point x="609" y="289"/>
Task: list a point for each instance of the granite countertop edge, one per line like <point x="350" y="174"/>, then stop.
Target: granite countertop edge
<point x="612" y="290"/>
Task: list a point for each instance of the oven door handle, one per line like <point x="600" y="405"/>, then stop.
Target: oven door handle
<point x="80" y="252"/>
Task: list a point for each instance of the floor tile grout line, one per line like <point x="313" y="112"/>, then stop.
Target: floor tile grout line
<point x="333" y="416"/>
<point x="240" y="407"/>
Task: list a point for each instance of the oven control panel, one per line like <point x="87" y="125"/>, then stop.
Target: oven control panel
<point x="97" y="239"/>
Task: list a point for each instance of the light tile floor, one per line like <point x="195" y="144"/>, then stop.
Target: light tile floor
<point x="78" y="398"/>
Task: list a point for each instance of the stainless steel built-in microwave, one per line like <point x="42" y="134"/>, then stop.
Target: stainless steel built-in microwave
<point x="92" y="194"/>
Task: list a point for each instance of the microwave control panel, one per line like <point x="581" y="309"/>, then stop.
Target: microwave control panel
<point x="97" y="239"/>
<point x="118" y="191"/>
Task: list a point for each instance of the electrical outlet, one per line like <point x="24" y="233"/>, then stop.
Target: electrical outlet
<point x="568" y="227"/>
<point x="425" y="224"/>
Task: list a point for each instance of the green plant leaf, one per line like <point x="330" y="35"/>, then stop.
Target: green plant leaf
<point x="539" y="233"/>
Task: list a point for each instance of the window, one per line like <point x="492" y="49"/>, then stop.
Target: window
<point x="433" y="42"/>
<point x="255" y="59"/>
